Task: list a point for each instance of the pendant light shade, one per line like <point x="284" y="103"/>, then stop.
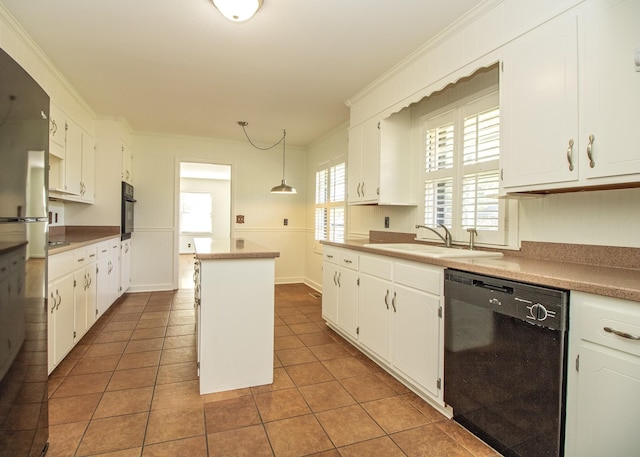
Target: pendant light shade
<point x="281" y="188"/>
<point x="238" y="10"/>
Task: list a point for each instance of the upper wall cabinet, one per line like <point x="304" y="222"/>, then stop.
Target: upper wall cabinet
<point x="382" y="167"/>
<point x="556" y="136"/>
<point x="127" y="159"/>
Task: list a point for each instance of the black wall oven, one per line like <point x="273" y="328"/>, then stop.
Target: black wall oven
<point x="127" y="211"/>
<point x="505" y="362"/>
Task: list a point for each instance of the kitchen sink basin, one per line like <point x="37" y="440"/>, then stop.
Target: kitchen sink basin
<point x="437" y="252"/>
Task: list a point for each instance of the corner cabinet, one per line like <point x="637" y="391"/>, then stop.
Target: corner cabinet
<point x="382" y="168"/>
<point x="570" y="101"/>
<point x="394" y="314"/>
<point x="603" y="388"/>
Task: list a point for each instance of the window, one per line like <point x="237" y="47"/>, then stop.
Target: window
<point x="195" y="212"/>
<point x="330" y="202"/>
<point x="461" y="178"/>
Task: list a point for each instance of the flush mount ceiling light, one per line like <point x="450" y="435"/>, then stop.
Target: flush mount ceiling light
<point x="282" y="188"/>
<point x="238" y="10"/>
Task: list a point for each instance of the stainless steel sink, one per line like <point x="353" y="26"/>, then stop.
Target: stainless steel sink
<point x="437" y="252"/>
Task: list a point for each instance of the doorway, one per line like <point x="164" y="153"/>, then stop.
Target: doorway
<point x="205" y="203"/>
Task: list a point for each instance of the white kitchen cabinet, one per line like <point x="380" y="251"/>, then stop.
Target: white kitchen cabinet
<point x="88" y="169"/>
<point x="418" y="326"/>
<point x="84" y="290"/>
<point x="393" y="314"/>
<point x="382" y="167"/>
<point x="57" y="121"/>
<point x="605" y="413"/>
<point x="348" y="293"/>
<point x="569" y="101"/>
<point x="375" y="300"/>
<point x="363" y="162"/>
<point x="125" y="265"/>
<point x="73" y="158"/>
<point x="60" y="293"/>
<point x="107" y="274"/>
<point x="539" y="106"/>
<point x="330" y="284"/>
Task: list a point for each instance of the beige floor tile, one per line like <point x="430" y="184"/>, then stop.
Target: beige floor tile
<point x="309" y="373"/>
<point x="113" y="434"/>
<point x="316" y="339"/>
<point x="187" y="447"/>
<point x="295" y="356"/>
<point x="178" y="330"/>
<point x="173" y="342"/>
<point x="472" y="444"/>
<point x="281" y="404"/>
<point x="82" y="385"/>
<point x="152" y="323"/>
<point x="287" y="342"/>
<point x="177" y="372"/>
<point x="231" y="414"/>
<point x="346" y="367"/>
<point x="305" y="327"/>
<point x="425" y="408"/>
<point x="225" y="395"/>
<point x="177" y="395"/>
<point x="118" y="326"/>
<point x="154" y="315"/>
<point x="297" y="318"/>
<point x="326" y="395"/>
<point x="153" y="344"/>
<point x="139" y="360"/>
<point x="181" y="320"/>
<point x="72" y="409"/>
<point x="429" y="440"/>
<point x="64" y="438"/>
<point x="282" y="330"/>
<point x="379" y="447"/>
<point x="178" y="355"/>
<point x="281" y="380"/>
<point x="87" y="365"/>
<point x="329" y="351"/>
<point x="395" y="414"/>
<point x="131" y="452"/>
<point x="102" y="349"/>
<point x="148" y="333"/>
<point x="248" y="441"/>
<point x="133" y="378"/>
<point x="110" y="337"/>
<point x="298" y="436"/>
<point x="367" y="387"/>
<point x="173" y="424"/>
<point x="348" y="425"/>
<point x="121" y="402"/>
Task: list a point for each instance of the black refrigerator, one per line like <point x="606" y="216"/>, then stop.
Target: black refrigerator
<point x="24" y="151"/>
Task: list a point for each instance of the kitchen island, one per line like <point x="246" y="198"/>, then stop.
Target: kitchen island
<point x="234" y="300"/>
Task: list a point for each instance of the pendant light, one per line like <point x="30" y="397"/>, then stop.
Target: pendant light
<point x="238" y="10"/>
<point x="281" y="188"/>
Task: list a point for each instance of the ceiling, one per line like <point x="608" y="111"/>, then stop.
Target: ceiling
<point x="180" y="67"/>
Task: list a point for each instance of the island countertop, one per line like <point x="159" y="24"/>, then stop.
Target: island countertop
<point x="231" y="248"/>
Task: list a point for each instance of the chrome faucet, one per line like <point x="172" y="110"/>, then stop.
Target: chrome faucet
<point x="472" y="232"/>
<point x="446" y="239"/>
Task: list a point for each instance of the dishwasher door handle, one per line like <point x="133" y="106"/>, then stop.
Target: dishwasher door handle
<point x="494" y="287"/>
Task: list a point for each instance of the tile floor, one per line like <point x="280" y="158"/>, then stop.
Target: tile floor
<point x="130" y="389"/>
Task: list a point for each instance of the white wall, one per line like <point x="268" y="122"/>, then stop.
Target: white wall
<point x="254" y="172"/>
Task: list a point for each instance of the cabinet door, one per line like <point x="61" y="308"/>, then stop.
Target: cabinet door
<point x="114" y="271"/>
<point x="80" y="284"/>
<point x="330" y="292"/>
<point x="416" y="338"/>
<point x="125" y="265"/>
<point x="354" y="165"/>
<point x="370" y="161"/>
<point x="91" y="295"/>
<point x="62" y="317"/>
<point x="374" y="315"/>
<point x="348" y="301"/>
<point x="73" y="158"/>
<point x="87" y="190"/>
<point x="611" y="88"/>
<point x="539" y="106"/>
<point x="102" y="286"/>
<point x="608" y="412"/>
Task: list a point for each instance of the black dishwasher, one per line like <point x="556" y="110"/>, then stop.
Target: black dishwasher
<point x="505" y="362"/>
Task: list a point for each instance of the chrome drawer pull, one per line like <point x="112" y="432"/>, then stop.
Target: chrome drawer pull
<point x="626" y="335"/>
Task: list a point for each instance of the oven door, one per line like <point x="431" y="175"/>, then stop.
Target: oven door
<point x="127" y="218"/>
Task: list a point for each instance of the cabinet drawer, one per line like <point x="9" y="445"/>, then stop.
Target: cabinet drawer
<point x="60" y="264"/>
<point x="425" y="278"/>
<point x="103" y="250"/>
<point x="376" y="266"/>
<point x="348" y="259"/>
<point x="330" y="254"/>
<point x="600" y="313"/>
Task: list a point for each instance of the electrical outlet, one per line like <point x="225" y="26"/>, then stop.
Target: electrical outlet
<point x="386" y="222"/>
<point x="239" y="219"/>
<point x="286" y="221"/>
<point x="188" y="245"/>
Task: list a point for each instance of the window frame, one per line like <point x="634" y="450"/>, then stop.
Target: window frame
<point x="329" y="205"/>
<point x="455" y="113"/>
<point x="183" y="194"/>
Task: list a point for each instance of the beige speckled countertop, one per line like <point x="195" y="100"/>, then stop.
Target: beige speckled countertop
<point x="596" y="279"/>
<point x="80" y="236"/>
<point x="233" y="248"/>
<point x="9" y="246"/>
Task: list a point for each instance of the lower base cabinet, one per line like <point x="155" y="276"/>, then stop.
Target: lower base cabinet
<point x="396" y="310"/>
<point x="604" y="387"/>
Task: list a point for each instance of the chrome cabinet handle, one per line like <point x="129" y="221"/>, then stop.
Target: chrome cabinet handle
<point x="329" y="256"/>
<point x="592" y="163"/>
<point x="386" y="299"/>
<point x="59" y="300"/>
<point x="53" y="299"/>
<point x="339" y="285"/>
<point x="362" y="189"/>
<point x="393" y="302"/>
<point x="626" y="335"/>
<point x="347" y="261"/>
<point x="358" y="189"/>
<point x="335" y="273"/>
<point x="570" y="155"/>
